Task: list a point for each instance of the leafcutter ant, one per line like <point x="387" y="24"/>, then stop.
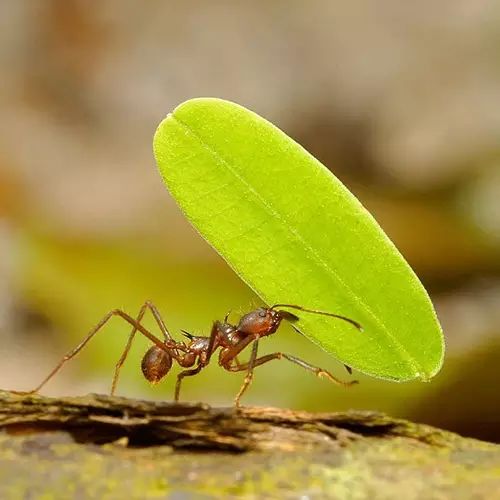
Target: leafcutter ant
<point x="195" y="354"/>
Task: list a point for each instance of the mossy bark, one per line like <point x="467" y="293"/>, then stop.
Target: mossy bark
<point x="104" y="447"/>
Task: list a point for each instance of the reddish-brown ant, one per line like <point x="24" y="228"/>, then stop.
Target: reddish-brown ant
<point x="196" y="353"/>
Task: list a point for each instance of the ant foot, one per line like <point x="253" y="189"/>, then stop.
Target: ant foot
<point x="324" y="374"/>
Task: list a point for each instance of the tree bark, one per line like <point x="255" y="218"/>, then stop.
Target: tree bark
<point x="107" y="447"/>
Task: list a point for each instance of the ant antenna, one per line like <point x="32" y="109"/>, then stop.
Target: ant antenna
<point x="323" y="313"/>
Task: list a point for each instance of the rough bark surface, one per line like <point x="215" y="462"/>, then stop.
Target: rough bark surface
<point x="108" y="447"/>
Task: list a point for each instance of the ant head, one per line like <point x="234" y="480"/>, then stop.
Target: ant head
<point x="156" y="363"/>
<point x="262" y="322"/>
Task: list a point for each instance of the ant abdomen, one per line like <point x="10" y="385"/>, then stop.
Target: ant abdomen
<point x="156" y="363"/>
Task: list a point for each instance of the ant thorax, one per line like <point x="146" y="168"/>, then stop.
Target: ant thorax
<point x="198" y="345"/>
<point x="228" y="335"/>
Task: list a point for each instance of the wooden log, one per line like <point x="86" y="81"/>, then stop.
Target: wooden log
<point x="108" y="447"/>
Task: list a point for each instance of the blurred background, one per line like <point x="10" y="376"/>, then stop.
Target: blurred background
<point x="401" y="100"/>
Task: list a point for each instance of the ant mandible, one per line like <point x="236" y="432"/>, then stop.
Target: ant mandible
<point x="196" y="353"/>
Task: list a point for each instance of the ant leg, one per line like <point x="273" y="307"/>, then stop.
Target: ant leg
<point x="212" y="343"/>
<point x="249" y="375"/>
<point x="124" y="355"/>
<point x="320" y="372"/>
<point x="185" y="373"/>
<point x="258" y="362"/>
<point x="230" y="353"/>
<point x="159" y="319"/>
<point x="166" y="334"/>
<point x="71" y="354"/>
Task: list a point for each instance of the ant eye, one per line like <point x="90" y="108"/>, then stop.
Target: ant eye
<point x="262" y="314"/>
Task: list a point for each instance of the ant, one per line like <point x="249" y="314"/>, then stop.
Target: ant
<point x="195" y="354"/>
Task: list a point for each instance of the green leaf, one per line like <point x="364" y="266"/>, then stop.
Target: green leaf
<point x="295" y="234"/>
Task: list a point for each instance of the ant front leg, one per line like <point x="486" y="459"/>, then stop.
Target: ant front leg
<point x="319" y="372"/>
<point x="71" y="354"/>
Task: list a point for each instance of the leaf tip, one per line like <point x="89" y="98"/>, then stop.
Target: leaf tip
<point x="428" y="376"/>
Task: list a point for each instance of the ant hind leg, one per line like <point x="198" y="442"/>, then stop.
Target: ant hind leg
<point x="124" y="355"/>
<point x="71" y="354"/>
<point x="159" y="320"/>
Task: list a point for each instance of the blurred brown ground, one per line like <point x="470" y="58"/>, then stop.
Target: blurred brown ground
<point x="400" y="100"/>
